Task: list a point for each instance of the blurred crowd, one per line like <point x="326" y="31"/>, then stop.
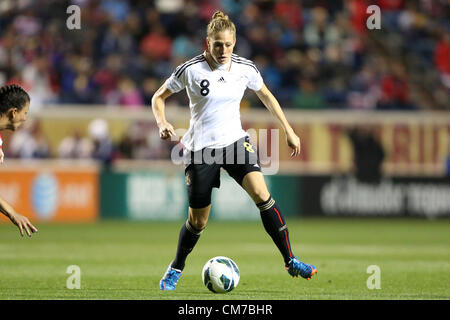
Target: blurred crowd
<point x="312" y="54"/>
<point x="139" y="141"/>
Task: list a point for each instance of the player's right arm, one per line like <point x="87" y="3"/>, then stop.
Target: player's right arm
<point x="166" y="130"/>
<point x="19" y="220"/>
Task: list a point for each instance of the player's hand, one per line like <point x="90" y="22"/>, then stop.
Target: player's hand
<point x="166" y="130"/>
<point x="2" y="155"/>
<point x="293" y="141"/>
<point x="23" y="223"/>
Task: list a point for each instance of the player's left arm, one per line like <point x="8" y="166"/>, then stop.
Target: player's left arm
<point x="271" y="103"/>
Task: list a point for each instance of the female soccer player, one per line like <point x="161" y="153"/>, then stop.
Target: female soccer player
<point x="14" y="105"/>
<point x="215" y="82"/>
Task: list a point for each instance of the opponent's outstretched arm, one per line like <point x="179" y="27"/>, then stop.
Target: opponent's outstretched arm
<point x="271" y="103"/>
<point x="19" y="220"/>
<point x="166" y="130"/>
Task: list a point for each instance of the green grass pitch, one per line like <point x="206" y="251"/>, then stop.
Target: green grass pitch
<point x="125" y="260"/>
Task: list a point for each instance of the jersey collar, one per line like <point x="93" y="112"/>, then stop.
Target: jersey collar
<point x="216" y="66"/>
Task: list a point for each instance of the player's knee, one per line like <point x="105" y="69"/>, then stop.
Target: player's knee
<point x="199" y="223"/>
<point x="198" y="218"/>
<point x="260" y="195"/>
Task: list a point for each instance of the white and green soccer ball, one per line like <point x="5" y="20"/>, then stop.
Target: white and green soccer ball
<point x="220" y="274"/>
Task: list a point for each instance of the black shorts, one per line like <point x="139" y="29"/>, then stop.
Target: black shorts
<point x="202" y="170"/>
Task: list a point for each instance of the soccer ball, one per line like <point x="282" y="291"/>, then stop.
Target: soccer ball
<point x="220" y="274"/>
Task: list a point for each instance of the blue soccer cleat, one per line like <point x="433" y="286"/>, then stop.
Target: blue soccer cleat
<point x="170" y="279"/>
<point x="296" y="267"/>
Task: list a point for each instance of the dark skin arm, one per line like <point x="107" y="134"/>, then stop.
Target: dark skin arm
<point x="19" y="220"/>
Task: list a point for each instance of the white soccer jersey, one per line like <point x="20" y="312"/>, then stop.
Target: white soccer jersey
<point x="215" y="98"/>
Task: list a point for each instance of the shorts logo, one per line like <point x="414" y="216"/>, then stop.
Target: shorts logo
<point x="188" y="179"/>
<point x="248" y="147"/>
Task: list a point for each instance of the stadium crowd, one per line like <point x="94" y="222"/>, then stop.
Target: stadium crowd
<point x="312" y="54"/>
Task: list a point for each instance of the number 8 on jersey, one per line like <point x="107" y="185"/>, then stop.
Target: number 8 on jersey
<point x="204" y="84"/>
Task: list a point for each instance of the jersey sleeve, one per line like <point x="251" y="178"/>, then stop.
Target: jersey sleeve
<point x="255" y="80"/>
<point x="176" y="82"/>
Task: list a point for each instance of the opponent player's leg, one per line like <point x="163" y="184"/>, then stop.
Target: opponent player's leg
<point x="274" y="223"/>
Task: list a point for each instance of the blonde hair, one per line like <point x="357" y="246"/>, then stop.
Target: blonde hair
<point x="220" y="22"/>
